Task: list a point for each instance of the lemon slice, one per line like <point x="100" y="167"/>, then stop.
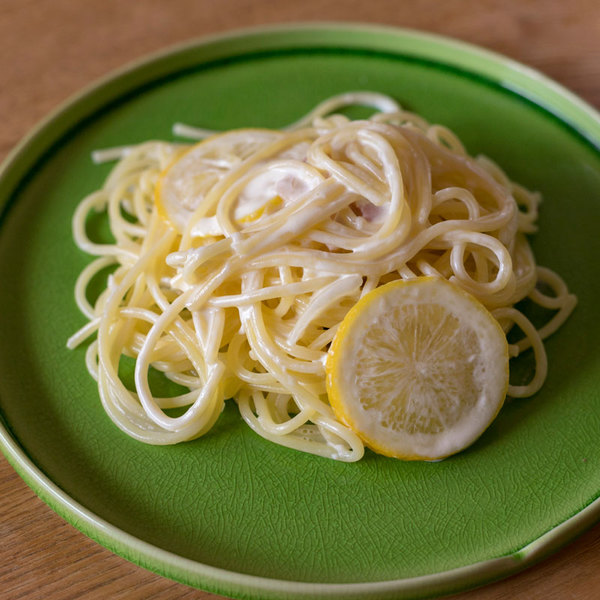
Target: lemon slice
<point x="418" y="369"/>
<point x="184" y="184"/>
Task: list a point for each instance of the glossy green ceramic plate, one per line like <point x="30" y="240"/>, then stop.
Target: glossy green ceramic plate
<point x="232" y="513"/>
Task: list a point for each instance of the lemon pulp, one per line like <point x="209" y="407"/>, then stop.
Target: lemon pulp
<point x="185" y="183"/>
<point x="418" y="369"/>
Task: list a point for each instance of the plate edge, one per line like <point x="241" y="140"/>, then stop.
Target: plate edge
<point x="42" y="137"/>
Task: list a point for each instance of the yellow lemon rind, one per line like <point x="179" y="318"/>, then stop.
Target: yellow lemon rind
<point x="159" y="201"/>
<point x="336" y="358"/>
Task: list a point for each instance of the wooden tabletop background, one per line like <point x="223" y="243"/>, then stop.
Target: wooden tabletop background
<point x="49" y="49"/>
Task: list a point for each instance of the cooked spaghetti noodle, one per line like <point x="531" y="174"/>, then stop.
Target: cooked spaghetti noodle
<point x="235" y="260"/>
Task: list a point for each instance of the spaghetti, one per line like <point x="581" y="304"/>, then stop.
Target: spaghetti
<point x="235" y="260"/>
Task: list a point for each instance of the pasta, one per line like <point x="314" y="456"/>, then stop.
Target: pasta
<point x="235" y="260"/>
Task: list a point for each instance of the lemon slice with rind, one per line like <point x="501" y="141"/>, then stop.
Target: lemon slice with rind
<point x="418" y="369"/>
<point x="184" y="184"/>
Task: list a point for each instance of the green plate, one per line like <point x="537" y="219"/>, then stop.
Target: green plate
<point x="232" y="513"/>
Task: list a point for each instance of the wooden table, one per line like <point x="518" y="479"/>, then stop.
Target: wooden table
<point x="51" y="48"/>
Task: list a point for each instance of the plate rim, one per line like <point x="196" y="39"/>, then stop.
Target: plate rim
<point x="523" y="81"/>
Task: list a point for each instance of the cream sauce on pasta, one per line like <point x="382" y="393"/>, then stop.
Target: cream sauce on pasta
<point x="236" y="259"/>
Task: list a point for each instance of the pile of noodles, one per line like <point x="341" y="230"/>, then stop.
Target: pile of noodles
<point x="246" y="308"/>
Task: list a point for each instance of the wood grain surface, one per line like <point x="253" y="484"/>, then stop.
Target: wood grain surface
<point x="51" y="48"/>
